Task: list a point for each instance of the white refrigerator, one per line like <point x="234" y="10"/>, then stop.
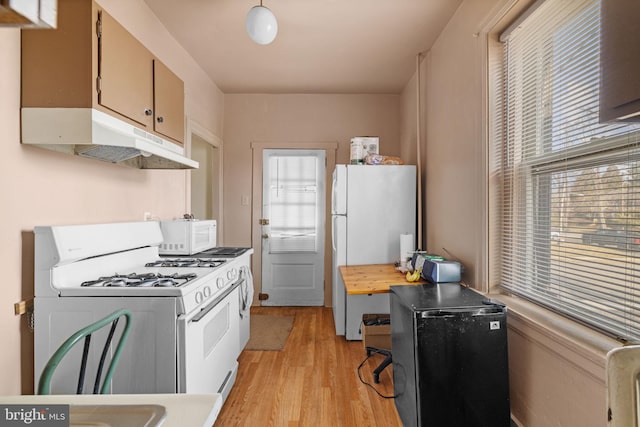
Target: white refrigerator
<point x="371" y="207"/>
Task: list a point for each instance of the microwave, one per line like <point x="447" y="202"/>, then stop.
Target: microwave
<point x="187" y="236"/>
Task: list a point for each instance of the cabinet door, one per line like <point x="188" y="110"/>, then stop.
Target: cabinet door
<point x="620" y="61"/>
<point x="125" y="69"/>
<point x="168" y="102"/>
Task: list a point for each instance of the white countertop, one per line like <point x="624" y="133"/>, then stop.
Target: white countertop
<point x="181" y="409"/>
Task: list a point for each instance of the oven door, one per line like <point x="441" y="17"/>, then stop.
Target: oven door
<point x="209" y="345"/>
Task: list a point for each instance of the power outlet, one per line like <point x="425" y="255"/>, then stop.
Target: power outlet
<point x="244" y="200"/>
<point x="147" y="216"/>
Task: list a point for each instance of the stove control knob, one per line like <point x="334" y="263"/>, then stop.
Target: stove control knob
<point x="231" y="274"/>
<point x="207" y="291"/>
<point x="199" y="297"/>
<point x="220" y="283"/>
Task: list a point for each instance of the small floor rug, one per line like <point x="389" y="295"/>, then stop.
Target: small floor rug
<point x="269" y="332"/>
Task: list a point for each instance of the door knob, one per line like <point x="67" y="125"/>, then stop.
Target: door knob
<point x="265" y="236"/>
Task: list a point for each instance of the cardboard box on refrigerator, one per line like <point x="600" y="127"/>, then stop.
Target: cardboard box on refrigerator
<point x="370" y="144"/>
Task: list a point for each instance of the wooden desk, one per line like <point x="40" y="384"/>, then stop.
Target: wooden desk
<point x="372" y="279"/>
<point x="367" y="291"/>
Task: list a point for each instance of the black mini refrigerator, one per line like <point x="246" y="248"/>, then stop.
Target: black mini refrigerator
<point x="450" y="359"/>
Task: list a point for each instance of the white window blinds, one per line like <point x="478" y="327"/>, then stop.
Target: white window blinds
<point x="569" y="197"/>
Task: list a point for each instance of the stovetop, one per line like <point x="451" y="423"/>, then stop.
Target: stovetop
<point x="160" y="273"/>
<point x="122" y="259"/>
<point x="143" y="280"/>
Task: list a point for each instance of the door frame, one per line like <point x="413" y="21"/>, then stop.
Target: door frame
<point x="257" y="149"/>
<point x="194" y="128"/>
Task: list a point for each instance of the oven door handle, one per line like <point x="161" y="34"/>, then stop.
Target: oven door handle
<point x="216" y="301"/>
<point x="246" y="292"/>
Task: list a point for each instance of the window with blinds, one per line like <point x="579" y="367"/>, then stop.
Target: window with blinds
<point x="569" y="197"/>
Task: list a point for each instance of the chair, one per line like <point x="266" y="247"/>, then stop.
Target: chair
<point x="44" y="385"/>
<point x="377" y="339"/>
<point x="386" y="362"/>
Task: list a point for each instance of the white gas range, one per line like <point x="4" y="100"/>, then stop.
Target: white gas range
<point x="188" y="312"/>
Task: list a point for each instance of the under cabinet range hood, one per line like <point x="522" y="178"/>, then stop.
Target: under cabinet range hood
<point x="88" y="132"/>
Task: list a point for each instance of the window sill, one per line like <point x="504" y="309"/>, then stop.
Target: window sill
<point x="576" y="343"/>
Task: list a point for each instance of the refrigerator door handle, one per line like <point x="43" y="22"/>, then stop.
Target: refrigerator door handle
<point x="333" y="233"/>
<point x="334" y="193"/>
<point x="489" y="311"/>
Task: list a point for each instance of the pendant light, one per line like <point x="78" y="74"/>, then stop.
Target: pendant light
<point x="261" y="25"/>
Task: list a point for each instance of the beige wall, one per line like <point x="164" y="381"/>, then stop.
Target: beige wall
<point x="557" y="374"/>
<point x="409" y="138"/>
<point x="300" y="119"/>
<point x="40" y="187"/>
<point x="455" y="143"/>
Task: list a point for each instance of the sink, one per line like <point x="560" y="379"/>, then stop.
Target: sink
<point x="116" y="415"/>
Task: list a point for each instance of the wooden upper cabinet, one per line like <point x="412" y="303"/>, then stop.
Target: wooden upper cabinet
<point x="620" y="61"/>
<point x="58" y="64"/>
<point x="91" y="61"/>
<point x="125" y="72"/>
<point x="168" y="102"/>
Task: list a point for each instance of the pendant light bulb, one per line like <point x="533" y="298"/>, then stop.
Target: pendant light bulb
<point x="261" y="25"/>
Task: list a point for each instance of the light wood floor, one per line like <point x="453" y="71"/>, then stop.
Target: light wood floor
<point x="312" y="382"/>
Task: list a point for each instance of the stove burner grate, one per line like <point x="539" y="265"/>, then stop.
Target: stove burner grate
<point x="221" y="251"/>
<point x="186" y="262"/>
<point x="148" y="280"/>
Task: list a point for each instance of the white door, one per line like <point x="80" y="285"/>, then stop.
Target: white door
<point x="293" y="218"/>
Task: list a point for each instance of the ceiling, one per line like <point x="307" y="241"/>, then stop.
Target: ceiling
<point x="322" y="46"/>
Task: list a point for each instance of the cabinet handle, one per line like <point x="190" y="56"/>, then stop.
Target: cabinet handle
<point x="148" y="112"/>
<point x="160" y="119"/>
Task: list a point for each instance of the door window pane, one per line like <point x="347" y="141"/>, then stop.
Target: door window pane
<point x="293" y="197"/>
